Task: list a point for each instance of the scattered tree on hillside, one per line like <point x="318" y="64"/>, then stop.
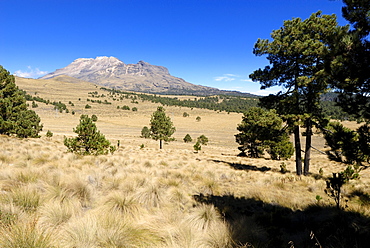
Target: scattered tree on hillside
<point x="198" y="118"/>
<point x="94" y="118"/>
<point x="203" y="140"/>
<point x="298" y="56"/>
<point x="89" y="140"/>
<point x="161" y="126"/>
<point x="49" y="134"/>
<point x="260" y="130"/>
<point x="197" y="147"/>
<point x="145" y="132"/>
<point x="15" y="118"/>
<point x="187" y="138"/>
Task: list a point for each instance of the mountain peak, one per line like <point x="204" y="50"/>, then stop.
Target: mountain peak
<point x="140" y="77"/>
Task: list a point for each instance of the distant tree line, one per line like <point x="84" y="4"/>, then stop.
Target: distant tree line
<point x="226" y="103"/>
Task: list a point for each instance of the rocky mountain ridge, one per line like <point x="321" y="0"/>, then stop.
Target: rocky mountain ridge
<point x="140" y="77"/>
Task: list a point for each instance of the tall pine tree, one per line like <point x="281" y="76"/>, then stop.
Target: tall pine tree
<point x="297" y="56"/>
<point x="161" y="126"/>
<point x="15" y="118"/>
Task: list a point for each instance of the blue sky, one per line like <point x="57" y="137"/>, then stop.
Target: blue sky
<point x="205" y="42"/>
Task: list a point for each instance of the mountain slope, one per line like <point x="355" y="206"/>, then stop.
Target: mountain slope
<point x="140" y="77"/>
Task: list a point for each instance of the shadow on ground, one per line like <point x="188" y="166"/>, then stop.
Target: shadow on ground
<point x="254" y="222"/>
<point x="239" y="166"/>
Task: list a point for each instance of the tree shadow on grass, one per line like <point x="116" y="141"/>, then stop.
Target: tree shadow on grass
<point x="239" y="166"/>
<point x="260" y="224"/>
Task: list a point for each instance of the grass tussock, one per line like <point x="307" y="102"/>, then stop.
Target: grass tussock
<point x="169" y="198"/>
<point x="26" y="235"/>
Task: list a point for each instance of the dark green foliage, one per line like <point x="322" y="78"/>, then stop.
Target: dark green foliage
<point x="334" y="184"/>
<point x="187" y="138"/>
<point x="87" y="106"/>
<point x="94" y="118"/>
<point x="49" y="134"/>
<point x="197" y="147"/>
<point x="282" y="149"/>
<point x="297" y="56"/>
<point x="346" y="145"/>
<point x="161" y="126"/>
<point x="15" y="118"/>
<point x="262" y="129"/>
<point x="350" y="62"/>
<point x="34" y="105"/>
<point x="221" y="102"/>
<point x="125" y="107"/>
<point x="198" y="118"/>
<point x="134" y="109"/>
<point x="145" y="132"/>
<point x="203" y="140"/>
<point x="89" y="140"/>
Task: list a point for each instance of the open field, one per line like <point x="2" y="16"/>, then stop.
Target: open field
<point x="164" y="198"/>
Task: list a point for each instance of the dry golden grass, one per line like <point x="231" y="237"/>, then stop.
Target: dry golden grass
<point x="157" y="198"/>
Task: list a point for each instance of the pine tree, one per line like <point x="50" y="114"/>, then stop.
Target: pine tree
<point x="15" y="118"/>
<point x="161" y="126"/>
<point x="89" y="140"/>
<point x="298" y="55"/>
<point x="187" y="138"/>
<point x="262" y="130"/>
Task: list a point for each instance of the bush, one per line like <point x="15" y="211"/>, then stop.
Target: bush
<point x="187" y="138"/>
<point x="87" y="106"/>
<point x="89" y="140"/>
<point x="94" y="118"/>
<point x="185" y="114"/>
<point x="197" y="147"/>
<point x="49" y="134"/>
<point x="198" y="118"/>
<point x="203" y="140"/>
<point x="145" y="132"/>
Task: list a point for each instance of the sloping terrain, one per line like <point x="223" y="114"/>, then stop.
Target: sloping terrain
<point x="140" y="77"/>
<point x="146" y="197"/>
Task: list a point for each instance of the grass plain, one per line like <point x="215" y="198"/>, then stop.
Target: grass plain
<point x="147" y="197"/>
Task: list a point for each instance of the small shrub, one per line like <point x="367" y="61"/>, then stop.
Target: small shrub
<point x="87" y="106"/>
<point x="185" y="114"/>
<point x="49" y="134"/>
<point x="197" y="147"/>
<point x="145" y="132"/>
<point x="198" y="118"/>
<point x="94" y="118"/>
<point x="134" y="109"/>
<point x="283" y="168"/>
<point x="34" y="105"/>
<point x="187" y="138"/>
<point x="203" y="140"/>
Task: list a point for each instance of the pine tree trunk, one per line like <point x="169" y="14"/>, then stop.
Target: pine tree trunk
<point x="160" y="144"/>
<point x="298" y="153"/>
<point x="307" y="155"/>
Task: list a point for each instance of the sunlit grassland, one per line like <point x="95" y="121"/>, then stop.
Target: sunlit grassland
<point x="147" y="197"/>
